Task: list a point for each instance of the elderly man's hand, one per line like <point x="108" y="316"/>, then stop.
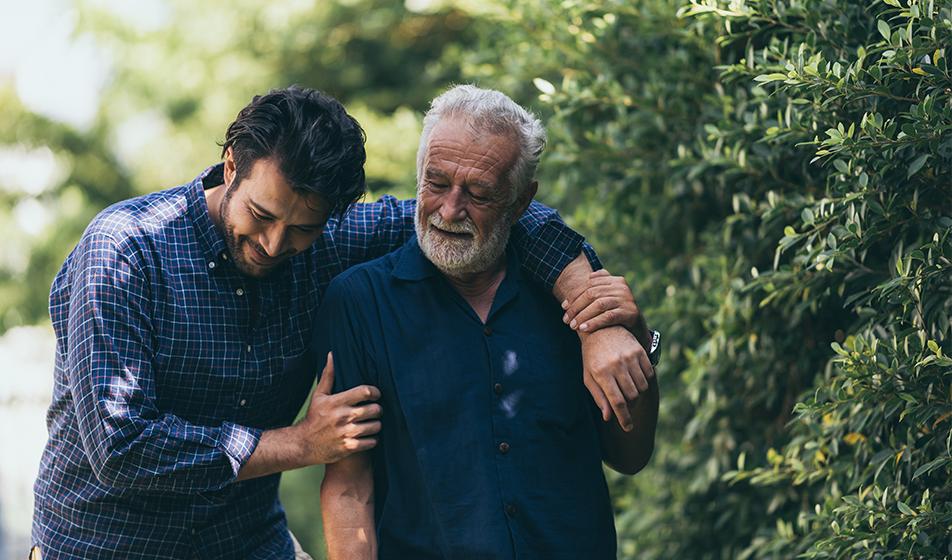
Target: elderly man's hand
<point x="617" y="370"/>
<point x="614" y="337"/>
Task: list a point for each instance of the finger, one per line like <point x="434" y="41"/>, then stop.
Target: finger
<point x="326" y="383"/>
<point x="359" y="394"/>
<point x="628" y="384"/>
<point x="364" y="429"/>
<point x="646" y="366"/>
<point x="618" y="403"/>
<point x="584" y="299"/>
<point x="620" y="317"/>
<point x="600" y="273"/>
<point x="599" y="397"/>
<point x="356" y="445"/>
<point x="366" y="412"/>
<point x="593" y="310"/>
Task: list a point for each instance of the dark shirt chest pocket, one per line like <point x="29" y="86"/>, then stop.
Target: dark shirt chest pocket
<point x="552" y="377"/>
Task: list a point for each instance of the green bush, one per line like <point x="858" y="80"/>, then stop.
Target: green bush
<point x="774" y="178"/>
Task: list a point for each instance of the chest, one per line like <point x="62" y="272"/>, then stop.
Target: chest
<point x="451" y="376"/>
<point x="226" y="347"/>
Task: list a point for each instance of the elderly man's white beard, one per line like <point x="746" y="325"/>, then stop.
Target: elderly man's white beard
<point x="457" y="257"/>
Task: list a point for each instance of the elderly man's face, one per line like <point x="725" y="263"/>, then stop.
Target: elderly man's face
<point x="464" y="205"/>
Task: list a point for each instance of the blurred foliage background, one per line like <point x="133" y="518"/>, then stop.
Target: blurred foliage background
<point x="774" y="178"/>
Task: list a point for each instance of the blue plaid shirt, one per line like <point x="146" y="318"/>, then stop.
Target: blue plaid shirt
<point x="170" y="364"/>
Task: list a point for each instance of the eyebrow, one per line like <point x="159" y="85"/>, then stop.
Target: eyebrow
<point x="267" y="213"/>
<point x="433" y="173"/>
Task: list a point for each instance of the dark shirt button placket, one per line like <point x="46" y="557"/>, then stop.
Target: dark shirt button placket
<point x="504" y="448"/>
<point x="497" y="388"/>
<point x="510" y="510"/>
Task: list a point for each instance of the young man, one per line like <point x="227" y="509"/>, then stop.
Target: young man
<point x="183" y="319"/>
<point x="491" y="446"/>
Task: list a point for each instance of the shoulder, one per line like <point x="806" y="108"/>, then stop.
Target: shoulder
<point x="129" y="226"/>
<point x="358" y="282"/>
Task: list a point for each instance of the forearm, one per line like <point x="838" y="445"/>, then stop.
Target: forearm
<point x="193" y="458"/>
<point x="278" y="450"/>
<point x="347" y="509"/>
<point x="629" y="452"/>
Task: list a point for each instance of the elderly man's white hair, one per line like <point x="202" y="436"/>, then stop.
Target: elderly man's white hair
<point x="493" y="112"/>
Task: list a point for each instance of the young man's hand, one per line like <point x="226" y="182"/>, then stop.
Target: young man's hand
<point x="605" y="300"/>
<point x="338" y="425"/>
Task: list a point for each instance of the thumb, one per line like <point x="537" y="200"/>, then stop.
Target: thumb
<point x="326" y="384"/>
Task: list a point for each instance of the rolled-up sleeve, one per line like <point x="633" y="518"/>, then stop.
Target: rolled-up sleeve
<point x="546" y="244"/>
<point x="128" y="441"/>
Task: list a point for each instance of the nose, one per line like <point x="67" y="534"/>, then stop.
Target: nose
<point x="453" y="208"/>
<point x="273" y="239"/>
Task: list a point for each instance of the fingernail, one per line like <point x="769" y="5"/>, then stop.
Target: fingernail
<point x="584" y="326"/>
<point x="572" y="324"/>
<point x="565" y="304"/>
<point x="628" y="427"/>
<point x="565" y="318"/>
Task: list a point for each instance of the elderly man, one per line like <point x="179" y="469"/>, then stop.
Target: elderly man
<point x="182" y="323"/>
<point x="491" y="446"/>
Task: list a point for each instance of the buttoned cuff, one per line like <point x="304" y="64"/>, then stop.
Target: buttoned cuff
<point x="239" y="442"/>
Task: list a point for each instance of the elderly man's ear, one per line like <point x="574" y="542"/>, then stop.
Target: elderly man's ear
<point x="527" y="197"/>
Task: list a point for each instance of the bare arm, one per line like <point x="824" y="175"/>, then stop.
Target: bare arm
<point x="616" y="365"/>
<point x="335" y="427"/>
<point x="629" y="452"/>
<point x="347" y="509"/>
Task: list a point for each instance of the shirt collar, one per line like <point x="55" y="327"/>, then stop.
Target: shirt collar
<point x="413" y="266"/>
<point x="213" y="246"/>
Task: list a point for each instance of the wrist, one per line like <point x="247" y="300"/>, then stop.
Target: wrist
<point x="292" y="438"/>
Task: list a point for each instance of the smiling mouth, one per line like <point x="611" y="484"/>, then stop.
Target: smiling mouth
<point x="452" y="234"/>
<point x="261" y="259"/>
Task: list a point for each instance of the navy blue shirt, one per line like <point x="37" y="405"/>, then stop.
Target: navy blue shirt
<point x="489" y="447"/>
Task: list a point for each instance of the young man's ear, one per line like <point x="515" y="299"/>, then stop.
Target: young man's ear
<point x="230" y="171"/>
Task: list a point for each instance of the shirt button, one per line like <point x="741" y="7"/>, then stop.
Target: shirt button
<point x="193" y="532"/>
<point x="242" y="402"/>
<point x="487" y="331"/>
<point x="211" y="264"/>
<point x="510" y="510"/>
<point x="248" y="348"/>
<point x="239" y="292"/>
<point x="504" y="448"/>
<point x="224" y="256"/>
<point x="497" y="388"/>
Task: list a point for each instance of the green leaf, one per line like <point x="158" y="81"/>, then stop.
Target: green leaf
<point x="916" y="165"/>
<point x="774" y="77"/>
<point x="929" y="467"/>
<point x="905" y="509"/>
<point x="789" y="231"/>
<point x="883" y="28"/>
<point x="934" y="346"/>
<point x="544" y="86"/>
<point x="893" y="3"/>
<point x="807" y="216"/>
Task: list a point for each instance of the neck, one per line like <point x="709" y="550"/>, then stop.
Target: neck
<point x="479" y="288"/>
<point x="213" y="198"/>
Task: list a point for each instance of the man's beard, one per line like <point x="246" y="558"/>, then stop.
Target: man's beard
<point x="235" y="242"/>
<point x="465" y="255"/>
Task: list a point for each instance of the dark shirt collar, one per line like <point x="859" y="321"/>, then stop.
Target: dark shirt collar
<point x="212" y="244"/>
<point x="413" y="266"/>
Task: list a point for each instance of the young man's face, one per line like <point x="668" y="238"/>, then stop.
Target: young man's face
<point x="266" y="222"/>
